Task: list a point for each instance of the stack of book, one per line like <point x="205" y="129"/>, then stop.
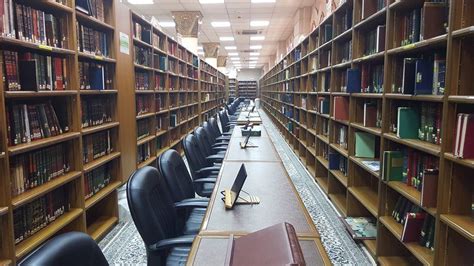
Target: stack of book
<point x="38" y="167"/>
<point x="96" y="111"/>
<point x="30" y="71"/>
<point x="91" y="41"/>
<point x="96" y="180"/>
<point x="96" y="145"/>
<point x="95" y="76"/>
<point x="34" y="216"/>
<point x="30" y="122"/>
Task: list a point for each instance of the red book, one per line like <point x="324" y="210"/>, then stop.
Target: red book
<point x="341" y="108"/>
<point x="412" y="228"/>
<point x="466" y="144"/>
<point x="58" y="70"/>
<point x="429" y="188"/>
<point x="370" y="115"/>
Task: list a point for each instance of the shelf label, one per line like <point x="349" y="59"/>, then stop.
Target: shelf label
<point x="45" y="47"/>
<point x="98" y="57"/>
<point x="409" y="46"/>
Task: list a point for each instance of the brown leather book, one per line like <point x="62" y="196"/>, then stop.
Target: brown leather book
<point x="429" y="188"/>
<point x="434" y="17"/>
<point x="274" y="245"/>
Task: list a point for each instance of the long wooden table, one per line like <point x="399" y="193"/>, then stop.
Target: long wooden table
<point x="279" y="202"/>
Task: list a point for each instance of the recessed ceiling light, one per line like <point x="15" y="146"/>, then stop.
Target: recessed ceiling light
<point x="226" y="38"/>
<point x="263" y="1"/>
<point x="140" y="2"/>
<point x="200" y="48"/>
<point x="231" y="48"/>
<point x="167" y="24"/>
<point x="252" y="62"/>
<point x="253" y="58"/>
<point x="232" y="54"/>
<point x="200" y="53"/>
<point x="235" y="58"/>
<point x="220" y="24"/>
<point x="254" y="54"/>
<point x="211" y="1"/>
<point x="255" y="47"/>
<point x="259" y="23"/>
<point x="257" y="38"/>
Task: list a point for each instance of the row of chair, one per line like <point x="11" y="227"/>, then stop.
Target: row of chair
<point x="162" y="202"/>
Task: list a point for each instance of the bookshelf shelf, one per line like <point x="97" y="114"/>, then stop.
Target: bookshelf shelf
<point x="461" y="99"/>
<point x="35" y="240"/>
<point x="465" y="162"/>
<point x="3" y="211"/>
<point x="340" y="176"/>
<point x="429" y="44"/>
<point x="339" y="149"/>
<point x="372" y="130"/>
<point x="371" y="246"/>
<point x="28" y="94"/>
<point x="54" y="6"/>
<point x="373" y="20"/>
<point x="323" y="161"/>
<point x="407" y="97"/>
<point x="462" y="224"/>
<point x="463" y="32"/>
<point x="367" y="197"/>
<point x="340" y="202"/>
<point x="147" y="115"/>
<point x="98" y="92"/>
<point x="425" y="255"/>
<point x="6" y="41"/>
<point x="93" y="22"/>
<point x="411" y="194"/>
<point x="94" y="129"/>
<point x="146" y="162"/>
<point x="359" y="162"/>
<point x="104" y="192"/>
<point x="39" y="191"/>
<point x="145" y="140"/>
<point x="394" y="260"/>
<point x="424" y="146"/>
<point x="100" y="161"/>
<point x="97" y="58"/>
<point x="99" y="228"/>
<point x="371" y="57"/>
<point x="25" y="147"/>
<point x="323" y="182"/>
<point x="404" y="4"/>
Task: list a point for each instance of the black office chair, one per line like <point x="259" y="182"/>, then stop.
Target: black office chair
<point x="73" y="248"/>
<point x="200" y="167"/>
<point x="214" y="137"/>
<point x="167" y="241"/>
<point x="227" y="126"/>
<point x="172" y="168"/>
<point x="212" y="154"/>
<point x="217" y="131"/>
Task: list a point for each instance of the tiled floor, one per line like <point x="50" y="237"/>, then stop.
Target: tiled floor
<point x="123" y="245"/>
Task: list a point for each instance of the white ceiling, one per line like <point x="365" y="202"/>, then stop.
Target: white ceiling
<point x="239" y="13"/>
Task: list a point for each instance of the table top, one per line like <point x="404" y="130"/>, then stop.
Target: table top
<point x="212" y="250"/>
<point x="254" y="117"/>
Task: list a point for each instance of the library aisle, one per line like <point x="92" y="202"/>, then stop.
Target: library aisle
<point x="123" y="244"/>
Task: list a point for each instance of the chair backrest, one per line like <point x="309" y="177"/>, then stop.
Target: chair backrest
<point x="215" y="127"/>
<point x="203" y="141"/>
<point x="173" y="169"/>
<point x="151" y="206"/>
<point x="224" y="121"/>
<point x="196" y="158"/>
<point x="72" y="248"/>
<point x="209" y="131"/>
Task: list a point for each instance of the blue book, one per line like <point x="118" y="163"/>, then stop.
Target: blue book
<point x="96" y="75"/>
<point x="353" y="80"/>
<point x="163" y="63"/>
<point x="424" y="76"/>
<point x="334" y="160"/>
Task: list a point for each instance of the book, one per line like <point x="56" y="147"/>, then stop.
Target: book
<point x="372" y="165"/>
<point x="96" y="180"/>
<point x="464" y="145"/>
<point x="408" y="123"/>
<point x="96" y="111"/>
<point x="439" y="74"/>
<point x="409" y="75"/>
<point x="361" y="228"/>
<point x="392" y="166"/>
<point x="364" y="145"/>
<point x="429" y="188"/>
<point x="323" y="105"/>
<point x="341" y="108"/>
<point x="423" y="76"/>
<point x="353" y="80"/>
<point x="92" y="41"/>
<point x="370" y="115"/>
<point x="327" y="32"/>
<point x="143" y="152"/>
<point x="334" y="161"/>
<point x="412" y="227"/>
<point x="434" y="19"/>
<point x="97" y="145"/>
<point x="380" y="37"/>
<point x="274" y="245"/>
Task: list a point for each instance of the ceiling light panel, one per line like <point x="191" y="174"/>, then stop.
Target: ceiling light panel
<point x="220" y="24"/>
<point x="257" y="38"/>
<point x="231" y="48"/>
<point x="232" y="54"/>
<point x="255" y="47"/>
<point x="205" y="2"/>
<point x="259" y="23"/>
<point x="226" y="39"/>
<point x="254" y="54"/>
<point x="262" y="1"/>
<point x="167" y="24"/>
<point x="140" y="2"/>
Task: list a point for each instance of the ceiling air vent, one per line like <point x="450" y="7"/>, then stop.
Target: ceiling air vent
<point x="249" y="51"/>
<point x="249" y="32"/>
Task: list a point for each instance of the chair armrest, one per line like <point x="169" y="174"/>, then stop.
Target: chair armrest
<point x="206" y="200"/>
<point x="169" y="243"/>
<point x="217" y="149"/>
<point x="205" y="180"/>
<point x="190" y="205"/>
<point x="208" y="169"/>
<point x="223" y="138"/>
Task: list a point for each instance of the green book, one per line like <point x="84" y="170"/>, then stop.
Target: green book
<point x="392" y="166"/>
<point x="408" y="123"/>
<point x="364" y="145"/>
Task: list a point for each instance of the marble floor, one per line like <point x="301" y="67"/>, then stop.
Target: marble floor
<point x="123" y="245"/>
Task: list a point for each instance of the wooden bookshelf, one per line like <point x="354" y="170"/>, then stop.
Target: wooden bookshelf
<point x="67" y="105"/>
<point x="247" y="89"/>
<point x="314" y="72"/>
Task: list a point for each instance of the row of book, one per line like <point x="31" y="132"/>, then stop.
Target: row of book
<point x="418" y="226"/>
<point x="95" y="76"/>
<point x="422" y="123"/>
<point x="143" y="152"/>
<point x="142" y="33"/>
<point x="96" y="111"/>
<point x="30" y="122"/>
<point x="366" y="145"/>
<point x="346" y="50"/>
<point x="371" y="78"/>
<point x="341" y="136"/>
<point x="143" y="129"/>
<point x="32" y="25"/>
<point x="142" y="56"/>
<point x="144" y="104"/>
<point x="375" y="41"/>
<point x="370" y="7"/>
<point x="345" y="23"/>
<point x="33" y="72"/>
<point x="38" y="167"/>
<point x="338" y="162"/>
<point x="142" y="80"/>
<point x="34" y="216"/>
<point x="92" y="41"/>
<point x="93" y="8"/>
<point x="158" y="41"/>
<point x="423" y="23"/>
<point x="96" y="145"/>
<point x="464" y="139"/>
<point x="372" y="116"/>
<point x="96" y="180"/>
<point x="423" y="75"/>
